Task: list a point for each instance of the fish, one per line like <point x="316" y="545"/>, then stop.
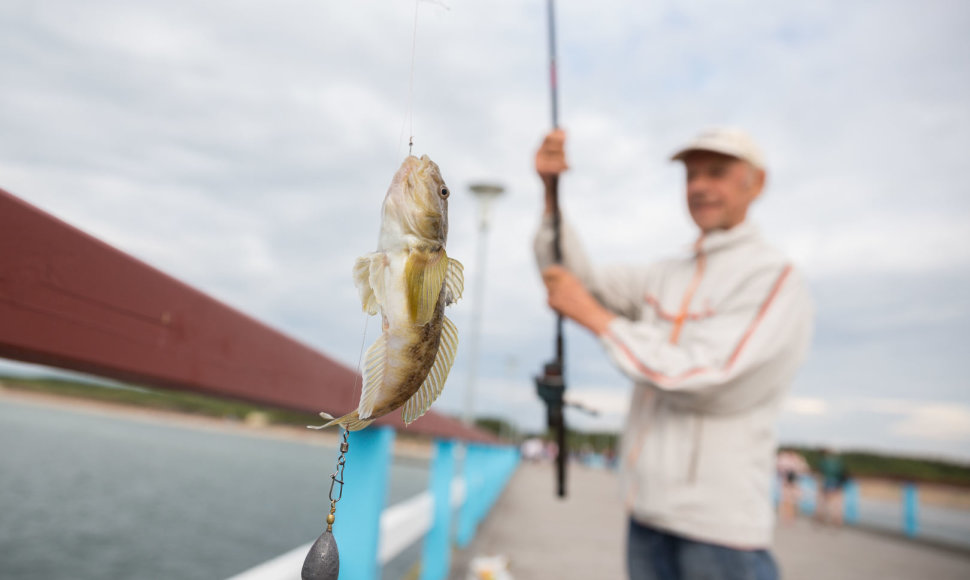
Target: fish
<point x="409" y="281"/>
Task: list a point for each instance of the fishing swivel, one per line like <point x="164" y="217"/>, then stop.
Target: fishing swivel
<point x="337" y="480"/>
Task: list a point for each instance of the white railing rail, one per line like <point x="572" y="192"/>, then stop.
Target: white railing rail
<point x="402" y="524"/>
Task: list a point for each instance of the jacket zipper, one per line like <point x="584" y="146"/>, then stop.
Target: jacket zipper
<point x="689" y="294"/>
<point x="695" y="451"/>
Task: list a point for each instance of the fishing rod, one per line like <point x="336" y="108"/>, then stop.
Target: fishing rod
<point x="551" y="384"/>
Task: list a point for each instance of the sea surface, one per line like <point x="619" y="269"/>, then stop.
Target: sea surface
<point x="86" y="495"/>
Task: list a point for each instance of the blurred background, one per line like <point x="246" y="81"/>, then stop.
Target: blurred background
<point x="245" y="148"/>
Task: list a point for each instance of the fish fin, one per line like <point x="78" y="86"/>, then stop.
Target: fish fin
<point x="369" y="283"/>
<point x="421" y="401"/>
<point x="378" y="267"/>
<point x="374" y="365"/>
<point x="351" y="421"/>
<point x="424" y="274"/>
<point x="454" y="281"/>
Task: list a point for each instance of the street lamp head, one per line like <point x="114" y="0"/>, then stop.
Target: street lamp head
<point x="486" y="190"/>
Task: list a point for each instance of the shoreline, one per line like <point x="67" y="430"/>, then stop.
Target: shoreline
<point x="405" y="447"/>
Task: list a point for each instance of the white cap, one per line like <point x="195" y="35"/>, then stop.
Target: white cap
<point x="727" y="141"/>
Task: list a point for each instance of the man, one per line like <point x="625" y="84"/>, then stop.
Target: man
<point x="711" y="341"/>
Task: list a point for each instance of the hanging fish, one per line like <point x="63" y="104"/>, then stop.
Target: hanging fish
<point x="409" y="280"/>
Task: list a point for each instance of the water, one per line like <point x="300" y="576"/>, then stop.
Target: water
<point x="93" y="496"/>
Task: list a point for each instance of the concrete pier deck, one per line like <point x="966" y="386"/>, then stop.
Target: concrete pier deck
<point x="583" y="537"/>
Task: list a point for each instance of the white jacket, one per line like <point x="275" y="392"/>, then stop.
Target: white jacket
<point x="712" y="341"/>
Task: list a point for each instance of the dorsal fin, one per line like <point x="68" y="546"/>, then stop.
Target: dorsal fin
<point x="424" y="275"/>
<point x="420" y="402"/>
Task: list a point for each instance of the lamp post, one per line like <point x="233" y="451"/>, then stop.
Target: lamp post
<point x="486" y="194"/>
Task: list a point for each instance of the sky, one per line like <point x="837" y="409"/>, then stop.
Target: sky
<point x="245" y="148"/>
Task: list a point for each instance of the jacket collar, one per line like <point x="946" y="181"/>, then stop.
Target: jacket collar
<point x="718" y="239"/>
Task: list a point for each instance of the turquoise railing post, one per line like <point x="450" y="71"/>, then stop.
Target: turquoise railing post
<point x="358" y="520"/>
<point x="473" y="470"/>
<point x="487" y="470"/>
<point x="436" y="553"/>
<point x="807" y="494"/>
<point x="910" y="509"/>
<point x="851" y="507"/>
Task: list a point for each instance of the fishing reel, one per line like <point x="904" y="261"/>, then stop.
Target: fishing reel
<point x="551" y="387"/>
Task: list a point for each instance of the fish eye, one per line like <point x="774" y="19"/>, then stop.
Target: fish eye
<point x="444" y="191"/>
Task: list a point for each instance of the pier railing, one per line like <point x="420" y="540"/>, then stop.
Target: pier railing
<point x="369" y="535"/>
<point x="897" y="509"/>
<point x="70" y="300"/>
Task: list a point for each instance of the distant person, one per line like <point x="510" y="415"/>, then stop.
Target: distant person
<point x="834" y="476"/>
<point x="532" y="449"/>
<point x="790" y="467"/>
<point x="712" y="340"/>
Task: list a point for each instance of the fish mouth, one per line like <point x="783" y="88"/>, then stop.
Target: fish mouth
<point x="401" y="176"/>
<point x="412" y="172"/>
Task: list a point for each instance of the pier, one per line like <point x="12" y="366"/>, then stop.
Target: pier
<point x="583" y="536"/>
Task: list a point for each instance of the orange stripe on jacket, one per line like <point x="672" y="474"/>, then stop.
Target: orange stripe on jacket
<point x="666" y="316"/>
<point x="655" y="375"/>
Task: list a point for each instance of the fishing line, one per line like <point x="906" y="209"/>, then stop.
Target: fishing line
<point x="360" y="355"/>
<point x="409" y="115"/>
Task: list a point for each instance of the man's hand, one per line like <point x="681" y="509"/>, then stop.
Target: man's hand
<point x="551" y="161"/>
<point x="551" y="156"/>
<point x="569" y="297"/>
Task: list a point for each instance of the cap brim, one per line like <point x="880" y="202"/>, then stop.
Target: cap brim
<point x="683" y="153"/>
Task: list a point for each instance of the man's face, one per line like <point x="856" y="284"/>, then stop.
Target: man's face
<point x="719" y="189"/>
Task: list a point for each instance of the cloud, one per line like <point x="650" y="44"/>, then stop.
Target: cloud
<point x="604" y="401"/>
<point x="805" y="406"/>
<point x="943" y="240"/>
<point x="610" y="405"/>
<point x="935" y="421"/>
<point x="886" y="425"/>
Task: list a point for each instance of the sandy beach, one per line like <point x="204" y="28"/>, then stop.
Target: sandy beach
<point x="946" y="496"/>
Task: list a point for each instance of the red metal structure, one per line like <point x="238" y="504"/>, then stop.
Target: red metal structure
<point x="69" y="300"/>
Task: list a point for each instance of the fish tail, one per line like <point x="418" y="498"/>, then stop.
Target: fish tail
<point x="351" y="421"/>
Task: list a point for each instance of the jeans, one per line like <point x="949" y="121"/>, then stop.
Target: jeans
<point x="653" y="554"/>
